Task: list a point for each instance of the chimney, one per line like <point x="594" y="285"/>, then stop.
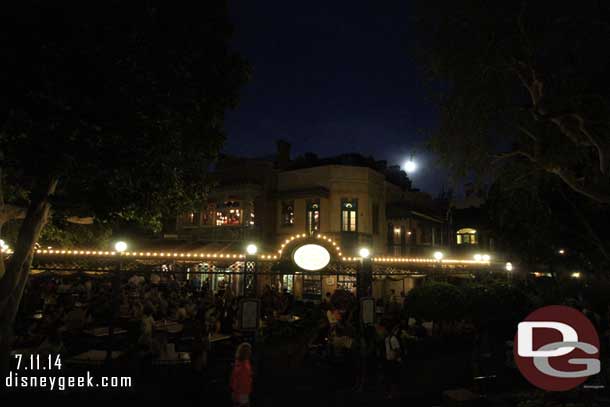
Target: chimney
<point x="283" y="153"/>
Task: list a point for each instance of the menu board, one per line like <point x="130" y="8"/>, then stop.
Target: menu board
<point x="367" y="310"/>
<point x="249" y="314"/>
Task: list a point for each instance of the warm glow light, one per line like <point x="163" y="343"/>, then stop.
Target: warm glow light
<point x="438" y="255"/>
<point x="311" y="257"/>
<point x="485" y="257"/>
<point x="509" y="266"/>
<point x="478" y="257"/>
<point x="251" y="249"/>
<point x="120" y="246"/>
<point x="4" y="247"/>
<point x="364" y="252"/>
<point x="576" y="274"/>
<point x="561" y="251"/>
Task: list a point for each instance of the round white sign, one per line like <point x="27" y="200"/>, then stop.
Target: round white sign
<point x="311" y="257"/>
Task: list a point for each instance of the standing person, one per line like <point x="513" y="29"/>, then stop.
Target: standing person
<point x="326" y="304"/>
<point x="392" y="362"/>
<point x="241" y="377"/>
<point x="146" y="330"/>
<point x="201" y="344"/>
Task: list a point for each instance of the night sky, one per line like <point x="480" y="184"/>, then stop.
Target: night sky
<point x="332" y="77"/>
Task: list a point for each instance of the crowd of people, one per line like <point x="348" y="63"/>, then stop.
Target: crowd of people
<point x="380" y="347"/>
<point x="58" y="314"/>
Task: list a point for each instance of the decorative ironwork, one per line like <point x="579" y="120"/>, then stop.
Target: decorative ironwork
<point x="250" y="278"/>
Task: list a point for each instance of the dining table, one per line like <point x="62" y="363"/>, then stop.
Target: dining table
<point x="93" y="357"/>
<point x="104" y="331"/>
<point x="169" y="326"/>
<point x="219" y="337"/>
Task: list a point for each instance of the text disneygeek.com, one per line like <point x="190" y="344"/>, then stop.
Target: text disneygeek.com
<point x="36" y="364"/>
<point x="17" y="381"/>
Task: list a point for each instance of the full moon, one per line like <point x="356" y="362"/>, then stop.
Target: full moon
<point x="410" y="166"/>
<point x="311" y="257"/>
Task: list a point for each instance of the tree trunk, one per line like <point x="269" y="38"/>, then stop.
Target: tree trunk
<point x="17" y="270"/>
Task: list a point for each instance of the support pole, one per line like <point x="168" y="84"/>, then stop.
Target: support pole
<point x="364" y="278"/>
<point x="115" y="306"/>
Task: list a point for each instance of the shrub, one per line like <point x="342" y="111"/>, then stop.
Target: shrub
<point x="435" y="301"/>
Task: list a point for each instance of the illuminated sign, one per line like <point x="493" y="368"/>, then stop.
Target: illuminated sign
<point x="311" y="257"/>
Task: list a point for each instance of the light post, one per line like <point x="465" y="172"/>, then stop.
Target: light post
<point x="120" y="248"/>
<point x="509" y="269"/>
<point x="251" y="249"/>
<point x="438" y="256"/>
<point x="250" y="271"/>
<point x="364" y="292"/>
<point x="364" y="278"/>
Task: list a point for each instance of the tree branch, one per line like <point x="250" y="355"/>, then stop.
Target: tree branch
<point x="573" y="183"/>
<point x="516" y="153"/>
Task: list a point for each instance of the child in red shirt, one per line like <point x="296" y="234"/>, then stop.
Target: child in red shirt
<point x="241" y="377"/>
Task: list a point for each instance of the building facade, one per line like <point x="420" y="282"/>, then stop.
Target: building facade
<point x="357" y="201"/>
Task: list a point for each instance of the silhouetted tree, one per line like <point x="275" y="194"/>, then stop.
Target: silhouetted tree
<point x="522" y="80"/>
<point x="112" y="110"/>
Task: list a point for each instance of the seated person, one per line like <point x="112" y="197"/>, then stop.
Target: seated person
<point x="76" y="319"/>
<point x="52" y="345"/>
<point x="181" y="313"/>
<point x="146" y="330"/>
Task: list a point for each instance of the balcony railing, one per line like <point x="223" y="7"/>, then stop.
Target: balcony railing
<point x="222" y="233"/>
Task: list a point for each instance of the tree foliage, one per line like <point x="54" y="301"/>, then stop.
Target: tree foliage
<point x="113" y="110"/>
<point x="436" y="301"/>
<point x="522" y="81"/>
<point x="121" y="101"/>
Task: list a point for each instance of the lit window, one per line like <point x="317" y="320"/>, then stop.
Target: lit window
<point x="349" y="215"/>
<point x="346" y="282"/>
<point x="287" y="213"/>
<point x="312" y="286"/>
<point x="313" y="216"/>
<point x="288" y="282"/>
<point x="396" y="234"/>
<point x="229" y="214"/>
<point x="466" y="236"/>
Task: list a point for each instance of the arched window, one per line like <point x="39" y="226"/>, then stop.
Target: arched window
<point x="312" y="216"/>
<point x="466" y="236"/>
<point x="349" y="215"/>
<point x="287" y="213"/>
